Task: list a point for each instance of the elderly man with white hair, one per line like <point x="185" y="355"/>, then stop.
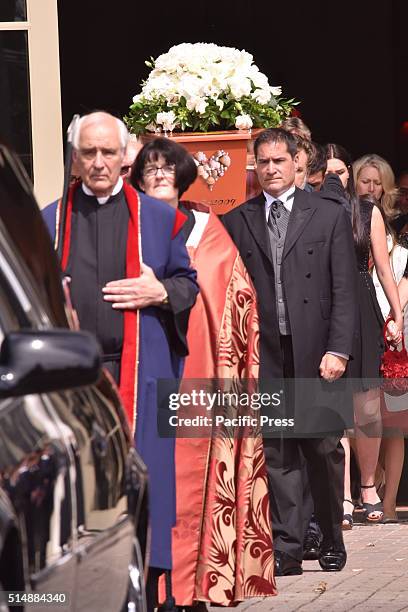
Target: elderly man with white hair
<point x="133" y="287"/>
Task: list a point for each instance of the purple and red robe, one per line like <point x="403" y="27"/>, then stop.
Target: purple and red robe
<point x="154" y="340"/>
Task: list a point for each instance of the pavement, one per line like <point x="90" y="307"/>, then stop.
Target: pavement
<point x="375" y="577"/>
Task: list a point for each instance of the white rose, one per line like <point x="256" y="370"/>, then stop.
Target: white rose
<point x="219" y="75"/>
<point x="243" y="61"/>
<point x="262" y="96"/>
<point x="239" y="87"/>
<point x="213" y="92"/>
<point x="276" y="91"/>
<point x="197" y="104"/>
<point x="158" y="85"/>
<point x="170" y="61"/>
<point x="243" y="122"/>
<point x="195" y="64"/>
<point x="167" y="120"/>
<point x="201" y="106"/>
<point x="259" y="79"/>
<point x="220" y="104"/>
<point x="166" y="64"/>
<point x="206" y="84"/>
<point x="191" y="102"/>
<point x="189" y="86"/>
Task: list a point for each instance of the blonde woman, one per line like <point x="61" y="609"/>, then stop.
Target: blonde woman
<point x="369" y="236"/>
<point x="373" y="176"/>
<point x="394" y="410"/>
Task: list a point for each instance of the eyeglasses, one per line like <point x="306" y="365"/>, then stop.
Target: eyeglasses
<point x="168" y="170"/>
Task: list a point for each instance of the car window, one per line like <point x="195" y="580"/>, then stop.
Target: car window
<point x="25" y="232"/>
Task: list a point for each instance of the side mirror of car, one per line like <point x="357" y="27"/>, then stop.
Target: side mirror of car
<point x="40" y="361"/>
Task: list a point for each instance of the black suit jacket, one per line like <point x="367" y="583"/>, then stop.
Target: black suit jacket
<point x="319" y="277"/>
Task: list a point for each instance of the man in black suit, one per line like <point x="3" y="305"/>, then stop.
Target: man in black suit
<point x="298" y="249"/>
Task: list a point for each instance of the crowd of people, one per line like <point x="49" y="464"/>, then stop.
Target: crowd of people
<point x="293" y="285"/>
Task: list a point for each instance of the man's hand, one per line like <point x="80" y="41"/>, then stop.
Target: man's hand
<point x="135" y="293"/>
<point x="332" y="367"/>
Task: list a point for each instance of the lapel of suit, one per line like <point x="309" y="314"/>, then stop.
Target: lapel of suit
<point x="254" y="213"/>
<point x="302" y="211"/>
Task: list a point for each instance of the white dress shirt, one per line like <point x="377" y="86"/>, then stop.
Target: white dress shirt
<point x="286" y="198"/>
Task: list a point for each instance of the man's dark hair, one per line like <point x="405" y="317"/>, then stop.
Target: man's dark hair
<point x="173" y="153"/>
<point x="318" y="160"/>
<point x="274" y="135"/>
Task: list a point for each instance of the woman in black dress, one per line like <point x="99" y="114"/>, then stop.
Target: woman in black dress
<point x="370" y="240"/>
<point x="373" y="176"/>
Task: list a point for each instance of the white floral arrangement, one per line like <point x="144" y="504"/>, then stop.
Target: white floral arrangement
<point x="203" y="87"/>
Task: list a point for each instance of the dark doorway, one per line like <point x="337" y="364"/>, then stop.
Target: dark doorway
<point x="346" y="62"/>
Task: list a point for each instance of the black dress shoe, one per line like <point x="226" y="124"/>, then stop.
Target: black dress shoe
<point x="311" y="546"/>
<point x="332" y="560"/>
<point x="285" y="565"/>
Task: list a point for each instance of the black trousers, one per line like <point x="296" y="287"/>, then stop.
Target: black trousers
<point x="310" y="524"/>
<point x="325" y="468"/>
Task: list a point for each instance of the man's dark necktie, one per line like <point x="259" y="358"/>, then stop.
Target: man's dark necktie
<point x="278" y="219"/>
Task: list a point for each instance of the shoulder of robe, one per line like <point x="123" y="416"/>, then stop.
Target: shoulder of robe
<point x="156" y="208"/>
<point x="50" y="209"/>
<point x="162" y="214"/>
<point x="49" y="215"/>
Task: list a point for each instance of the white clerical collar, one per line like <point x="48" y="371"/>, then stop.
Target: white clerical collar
<point x="104" y="199"/>
<point x="286" y="198"/>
